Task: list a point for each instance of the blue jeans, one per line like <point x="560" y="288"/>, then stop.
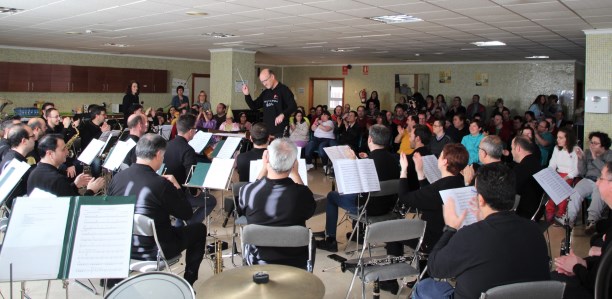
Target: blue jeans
<point x="334" y="201"/>
<point x="320" y="144"/>
<point x="204" y="206"/>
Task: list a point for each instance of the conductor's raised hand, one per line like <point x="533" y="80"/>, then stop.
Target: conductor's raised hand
<point x="245" y="89"/>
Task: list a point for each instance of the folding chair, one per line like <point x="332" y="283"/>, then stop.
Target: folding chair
<point x="145" y="226"/>
<point x="387" y="188"/>
<point x="547" y="289"/>
<point x="279" y="236"/>
<point x="543" y="227"/>
<point x="230" y="207"/>
<point x="383" y="232"/>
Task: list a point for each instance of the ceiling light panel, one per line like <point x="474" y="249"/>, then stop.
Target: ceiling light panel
<point x="396" y="19"/>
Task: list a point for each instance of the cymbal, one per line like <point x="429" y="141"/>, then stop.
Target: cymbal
<point x="285" y="282"/>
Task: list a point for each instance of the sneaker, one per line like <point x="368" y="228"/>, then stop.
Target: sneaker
<point x="329" y="244"/>
<point x="390" y="286"/>
<point x="590" y="227"/>
<point x="309" y="167"/>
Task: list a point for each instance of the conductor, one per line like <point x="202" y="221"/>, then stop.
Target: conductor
<point x="276" y="100"/>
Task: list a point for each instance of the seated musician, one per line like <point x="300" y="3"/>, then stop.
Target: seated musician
<point x="55" y="125"/>
<point x="138" y="126"/>
<point x="21" y="140"/>
<point x="158" y="197"/>
<point x="278" y="198"/>
<point x="46" y="175"/>
<point x="500" y="248"/>
<point x="387" y="168"/>
<point x="92" y="129"/>
<point x="38" y="127"/>
<point x="5" y="146"/>
<point x="179" y="159"/>
<point x="260" y="138"/>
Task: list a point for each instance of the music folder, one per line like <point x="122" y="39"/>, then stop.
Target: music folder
<point x="91" y="151"/>
<point x="213" y="175"/>
<point x="225" y="149"/>
<point x="118" y="154"/>
<point x="356" y="176"/>
<point x="68" y="238"/>
<point x="199" y="141"/>
<point x="11" y="176"/>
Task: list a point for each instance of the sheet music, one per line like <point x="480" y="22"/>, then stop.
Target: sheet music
<point x="38" y="193"/>
<point x="463" y="197"/>
<point x="254" y="169"/>
<point x="299" y="154"/>
<point x="218" y="174"/>
<point x="11" y="175"/>
<point x="116" y="157"/>
<point x="106" y="135"/>
<point x="553" y="184"/>
<point x="256" y="165"/>
<point x="200" y="140"/>
<point x="337" y="152"/>
<point x="430" y="167"/>
<point x="91" y="151"/>
<point x="229" y="147"/>
<point x="114" y="133"/>
<point x="368" y="175"/>
<point x="103" y="242"/>
<point x="226" y="134"/>
<point x="34" y="240"/>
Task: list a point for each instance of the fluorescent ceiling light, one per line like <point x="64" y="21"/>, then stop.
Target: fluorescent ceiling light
<point x="537" y="57"/>
<point x="310" y="47"/>
<point x="116" y="45"/>
<point x="341" y="50"/>
<point x="488" y="44"/>
<point x="218" y="35"/>
<point x="317" y="43"/>
<point x="396" y="19"/>
<point x="196" y="13"/>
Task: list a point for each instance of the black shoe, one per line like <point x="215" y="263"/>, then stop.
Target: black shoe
<point x="320" y="234"/>
<point x="390" y="286"/>
<point x="329" y="244"/>
<point x="354" y="238"/>
<point x="110" y="283"/>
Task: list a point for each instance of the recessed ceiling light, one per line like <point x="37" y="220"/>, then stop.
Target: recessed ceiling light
<point x="218" y="35"/>
<point x="396" y="19"/>
<point x="380" y="52"/>
<point x="537" y="57"/>
<point x="196" y="13"/>
<point x="10" y="10"/>
<point x="341" y="50"/>
<point x="116" y="45"/>
<point x="488" y="44"/>
<point x="317" y="43"/>
<point x="438" y="53"/>
<point x="310" y="47"/>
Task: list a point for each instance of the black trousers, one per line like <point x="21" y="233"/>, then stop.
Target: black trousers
<point x="192" y="238"/>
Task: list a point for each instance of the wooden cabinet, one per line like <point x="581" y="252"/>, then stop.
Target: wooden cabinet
<point x="26" y="77"/>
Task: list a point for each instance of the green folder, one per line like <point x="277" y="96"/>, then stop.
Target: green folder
<point x="198" y="174"/>
<point x="69" y="235"/>
<point x="218" y="148"/>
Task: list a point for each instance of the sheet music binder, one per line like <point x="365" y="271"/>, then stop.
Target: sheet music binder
<point x="219" y="180"/>
<point x="218" y="148"/>
<point x="69" y="235"/>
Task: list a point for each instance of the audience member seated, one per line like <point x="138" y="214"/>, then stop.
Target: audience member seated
<point x="323" y="137"/>
<point x="472" y="141"/>
<point x="501" y="248"/>
<point x="243" y="122"/>
<point x="47" y="177"/>
<point x="476" y="107"/>
<point x="537" y="107"/>
<point x="458" y="129"/>
<point x="527" y="165"/>
<point x="362" y="120"/>
<point x="349" y="132"/>
<point x="206" y="121"/>
<point x="590" y="164"/>
<point x="403" y="135"/>
<point x="500" y="129"/>
<point x="299" y="131"/>
<point x="278" y="198"/>
<point x="229" y="125"/>
<point x="455" y="108"/>
<point x="220" y="116"/>
<point x="419" y="140"/>
<point x="579" y="273"/>
<point x="159" y="197"/>
<point x="387" y="168"/>
<point x="564" y="161"/>
<point x="179" y="158"/>
<point x="259" y="137"/>
<point x="440" y="139"/>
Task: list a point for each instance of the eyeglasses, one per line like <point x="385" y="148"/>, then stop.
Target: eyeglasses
<point x="594" y="143"/>
<point x="53" y="116"/>
<point x="603" y="179"/>
<point x="264" y="81"/>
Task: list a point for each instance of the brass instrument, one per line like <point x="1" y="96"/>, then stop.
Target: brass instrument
<point x="70" y="143"/>
<point x="218" y="266"/>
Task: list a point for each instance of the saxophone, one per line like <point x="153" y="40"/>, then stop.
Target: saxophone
<point x="218" y="266"/>
<point x="70" y="143"/>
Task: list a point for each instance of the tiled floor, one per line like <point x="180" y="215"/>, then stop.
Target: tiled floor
<point x="336" y="283"/>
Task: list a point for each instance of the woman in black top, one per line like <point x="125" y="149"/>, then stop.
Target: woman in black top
<point x="131" y="98"/>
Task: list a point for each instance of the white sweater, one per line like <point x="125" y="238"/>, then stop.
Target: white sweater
<point x="564" y="162"/>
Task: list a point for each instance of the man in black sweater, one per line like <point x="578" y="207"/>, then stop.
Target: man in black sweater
<point x="138" y="125"/>
<point x="527" y="187"/>
<point x="179" y="158"/>
<point x="21" y="140"/>
<point x="501" y="248"/>
<point x="277" y="198"/>
<point x="260" y="138"/>
<point x="387" y="168"/>
<point x="158" y="197"/>
<point x="46" y="176"/>
<point x="276" y="100"/>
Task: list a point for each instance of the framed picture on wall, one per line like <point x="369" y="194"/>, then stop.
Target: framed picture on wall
<point x="445" y="76"/>
<point x="482" y="79"/>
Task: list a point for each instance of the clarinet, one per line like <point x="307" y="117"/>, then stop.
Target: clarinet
<point x="374" y="261"/>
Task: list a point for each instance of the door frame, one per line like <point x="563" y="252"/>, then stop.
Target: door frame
<point x="311" y="90"/>
<point x="193" y="76"/>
